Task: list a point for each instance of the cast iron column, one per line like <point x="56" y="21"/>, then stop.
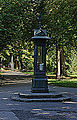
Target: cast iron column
<point x="39" y="82"/>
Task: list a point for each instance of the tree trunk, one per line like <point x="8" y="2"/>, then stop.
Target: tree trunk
<point x="58" y="63"/>
<point x="16" y="65"/>
<point x="21" y="64"/>
<point x="63" y="72"/>
<point x="0" y="64"/>
<point x="12" y="63"/>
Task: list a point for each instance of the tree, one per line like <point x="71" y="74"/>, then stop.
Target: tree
<point x="17" y="18"/>
<point x="62" y="26"/>
<point x="20" y="18"/>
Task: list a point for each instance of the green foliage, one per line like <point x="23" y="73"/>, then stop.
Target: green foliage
<point x="51" y="59"/>
<point x="18" y="19"/>
<point x="62" y="22"/>
<point x="72" y="63"/>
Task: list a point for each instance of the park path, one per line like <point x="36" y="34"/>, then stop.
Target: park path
<point x="14" y="77"/>
<point x="16" y="110"/>
<point x="9" y="72"/>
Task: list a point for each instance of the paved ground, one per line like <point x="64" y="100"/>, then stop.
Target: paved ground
<point x="13" y="110"/>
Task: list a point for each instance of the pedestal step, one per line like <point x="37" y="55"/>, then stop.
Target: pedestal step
<point x="40" y="97"/>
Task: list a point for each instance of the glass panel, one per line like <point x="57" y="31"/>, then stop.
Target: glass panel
<point x="39" y="58"/>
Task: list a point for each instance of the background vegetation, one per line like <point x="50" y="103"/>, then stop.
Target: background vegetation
<point x="19" y="18"/>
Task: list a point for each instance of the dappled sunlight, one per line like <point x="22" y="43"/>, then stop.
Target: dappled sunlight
<point x="48" y="112"/>
<point x="43" y="113"/>
<point x="51" y="75"/>
<point x="1" y="92"/>
<point x="3" y="118"/>
<point x="66" y="113"/>
<point x="65" y="92"/>
<point x="5" y="98"/>
<point x="66" y="107"/>
<point x="12" y="104"/>
<point x="74" y="117"/>
<point x="70" y="102"/>
<point x="16" y="93"/>
<point x="6" y="91"/>
<point x="36" y="110"/>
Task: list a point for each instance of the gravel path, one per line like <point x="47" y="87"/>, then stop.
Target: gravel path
<point x="38" y="110"/>
<point x="13" y="110"/>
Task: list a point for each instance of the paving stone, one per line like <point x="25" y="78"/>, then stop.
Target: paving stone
<point x="27" y="115"/>
<point x="45" y="110"/>
<point x="7" y="116"/>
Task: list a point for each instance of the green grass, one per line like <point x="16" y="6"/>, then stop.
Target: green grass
<point x="29" y="73"/>
<point x="63" y="82"/>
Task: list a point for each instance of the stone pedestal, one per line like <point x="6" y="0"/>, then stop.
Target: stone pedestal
<point x="40" y="85"/>
<point x="40" y="97"/>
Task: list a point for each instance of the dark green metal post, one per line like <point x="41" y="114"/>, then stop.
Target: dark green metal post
<point x="39" y="82"/>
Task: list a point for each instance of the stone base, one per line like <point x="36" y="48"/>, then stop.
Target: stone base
<point x="40" y="85"/>
<point x="40" y="90"/>
<point x="40" y="97"/>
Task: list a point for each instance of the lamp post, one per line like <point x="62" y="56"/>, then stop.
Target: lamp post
<point x="39" y="82"/>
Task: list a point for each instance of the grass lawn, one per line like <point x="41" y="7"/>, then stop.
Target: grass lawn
<point x="63" y="82"/>
<point x="29" y="73"/>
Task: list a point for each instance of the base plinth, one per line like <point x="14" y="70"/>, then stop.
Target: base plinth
<point x="40" y="85"/>
<point x="40" y="97"/>
<point x="40" y="90"/>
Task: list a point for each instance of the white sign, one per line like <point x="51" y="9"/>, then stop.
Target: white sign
<point x="41" y="66"/>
